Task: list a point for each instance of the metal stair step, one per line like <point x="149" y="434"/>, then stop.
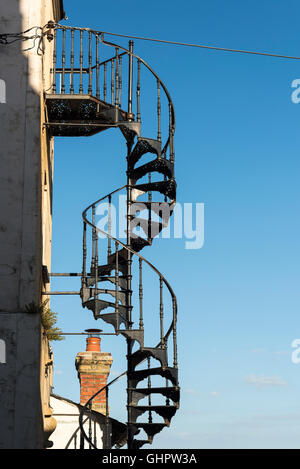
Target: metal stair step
<point x="122" y="280"/>
<point x="122" y="254"/>
<point x="106" y="278"/>
<point x="133" y="334"/>
<point x="143" y="146"/>
<point x="130" y="129"/>
<point x="172" y="392"/>
<point x="151" y="228"/>
<point x="111" y="318"/>
<point x="158" y="207"/>
<point x="167" y="188"/>
<point x="139" y="243"/>
<point x="137" y="444"/>
<point x="146" y="352"/>
<point x="163" y="210"/>
<point x="134" y="377"/>
<point x="97" y="306"/>
<point x="150" y="428"/>
<point x="121" y="294"/>
<point x="107" y="268"/>
<point x="90" y="292"/>
<point x="160" y="165"/>
<point x="164" y="411"/>
<point x="80" y="115"/>
<point x="110" y="115"/>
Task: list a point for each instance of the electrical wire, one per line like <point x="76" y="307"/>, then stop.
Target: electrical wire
<point x="222" y="49"/>
<point x="186" y="44"/>
<point x="4" y="39"/>
<point x="10" y="38"/>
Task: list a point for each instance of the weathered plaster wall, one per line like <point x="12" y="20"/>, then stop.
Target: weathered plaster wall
<point x="26" y="165"/>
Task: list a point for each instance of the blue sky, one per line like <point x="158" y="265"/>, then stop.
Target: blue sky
<point x="237" y="151"/>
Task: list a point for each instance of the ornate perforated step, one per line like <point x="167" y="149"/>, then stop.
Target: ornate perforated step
<point x="159" y="165"/>
<point x="139" y="243"/>
<point x="89" y="292"/>
<point x="108" y="268"/>
<point x="122" y="280"/>
<point x="137" y="444"/>
<point x="164" y="411"/>
<point x="170" y="392"/>
<point x="134" y="377"/>
<point x="150" y="228"/>
<point x="143" y="146"/>
<point x="151" y="429"/>
<point x="133" y="334"/>
<point x="122" y="257"/>
<point x="71" y="115"/>
<point x="97" y="306"/>
<point x="115" y="320"/>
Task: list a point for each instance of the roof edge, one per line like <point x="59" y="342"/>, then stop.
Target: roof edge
<point x="80" y="406"/>
<point x="58" y="10"/>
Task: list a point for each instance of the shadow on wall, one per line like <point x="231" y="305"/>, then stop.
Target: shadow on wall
<point x="2" y="92"/>
<point x="2" y="351"/>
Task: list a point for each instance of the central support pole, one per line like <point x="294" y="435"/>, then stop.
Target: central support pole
<point x="129" y="299"/>
<point x="129" y="254"/>
<point x="130" y="77"/>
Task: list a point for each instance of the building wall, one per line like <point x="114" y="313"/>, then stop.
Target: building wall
<point x="67" y="432"/>
<point x="26" y="166"/>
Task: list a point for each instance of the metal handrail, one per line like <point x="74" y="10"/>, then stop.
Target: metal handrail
<point x="86" y="69"/>
<point x="87" y="404"/>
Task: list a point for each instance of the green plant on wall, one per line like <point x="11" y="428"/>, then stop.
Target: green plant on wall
<point x="48" y="319"/>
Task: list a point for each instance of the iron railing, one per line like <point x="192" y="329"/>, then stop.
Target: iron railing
<point x="83" y="65"/>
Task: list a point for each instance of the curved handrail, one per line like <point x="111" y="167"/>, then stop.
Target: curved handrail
<point x="74" y="434"/>
<point x="85" y="220"/>
<point x="84" y="408"/>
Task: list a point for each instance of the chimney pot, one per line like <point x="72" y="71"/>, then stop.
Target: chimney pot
<point x="93" y="344"/>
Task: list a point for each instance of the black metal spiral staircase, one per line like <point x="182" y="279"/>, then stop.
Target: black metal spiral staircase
<point x="86" y="98"/>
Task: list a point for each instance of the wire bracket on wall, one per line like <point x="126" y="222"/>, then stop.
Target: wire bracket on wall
<point x="32" y="34"/>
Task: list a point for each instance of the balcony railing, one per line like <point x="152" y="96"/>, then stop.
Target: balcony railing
<point x="85" y="64"/>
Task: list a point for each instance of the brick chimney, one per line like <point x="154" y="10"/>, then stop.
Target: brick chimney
<point x="93" y="368"/>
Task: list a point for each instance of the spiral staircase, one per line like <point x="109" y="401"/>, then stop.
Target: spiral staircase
<point x="87" y="97"/>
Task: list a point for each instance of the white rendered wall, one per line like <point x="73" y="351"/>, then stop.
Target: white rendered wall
<point x="67" y="434"/>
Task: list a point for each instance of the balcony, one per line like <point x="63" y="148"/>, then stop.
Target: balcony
<point x="96" y="85"/>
